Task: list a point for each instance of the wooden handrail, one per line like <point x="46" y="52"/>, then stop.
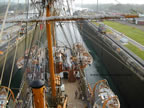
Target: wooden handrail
<point x="65" y="102"/>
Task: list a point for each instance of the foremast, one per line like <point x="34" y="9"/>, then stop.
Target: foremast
<point x="50" y="54"/>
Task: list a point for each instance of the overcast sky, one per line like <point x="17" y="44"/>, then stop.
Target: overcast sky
<point x="110" y="1"/>
<point x="95" y="1"/>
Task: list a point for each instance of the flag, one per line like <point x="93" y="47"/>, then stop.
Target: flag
<point x="41" y="26"/>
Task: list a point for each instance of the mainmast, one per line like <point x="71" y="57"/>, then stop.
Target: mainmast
<point x="53" y="30"/>
<point x="38" y="87"/>
<point x="50" y="54"/>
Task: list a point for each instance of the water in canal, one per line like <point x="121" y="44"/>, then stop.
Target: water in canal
<point x="97" y="71"/>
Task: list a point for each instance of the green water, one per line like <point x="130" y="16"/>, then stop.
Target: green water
<point x="97" y="71"/>
<point x="16" y="81"/>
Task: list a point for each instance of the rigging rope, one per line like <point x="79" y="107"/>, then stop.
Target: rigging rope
<point x="23" y="81"/>
<point x="64" y="44"/>
<point x="12" y="70"/>
<point x="17" y="8"/>
<point x="3" y="24"/>
<point x="13" y="64"/>
<point x="70" y="33"/>
<point x="68" y="24"/>
<point x="68" y="7"/>
<point x="26" y="9"/>
<point x="117" y="1"/>
<point x="7" y="51"/>
<point x="36" y="6"/>
<point x="65" y="35"/>
<point x="5" y="59"/>
<point x="8" y="41"/>
<point x="74" y="32"/>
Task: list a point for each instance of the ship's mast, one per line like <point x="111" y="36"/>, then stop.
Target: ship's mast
<point x="50" y="54"/>
<point x="53" y="30"/>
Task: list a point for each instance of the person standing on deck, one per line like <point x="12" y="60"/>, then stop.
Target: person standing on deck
<point x="76" y="94"/>
<point x="37" y="65"/>
<point x="80" y="95"/>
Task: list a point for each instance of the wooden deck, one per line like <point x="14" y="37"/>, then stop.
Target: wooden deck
<point x="70" y="89"/>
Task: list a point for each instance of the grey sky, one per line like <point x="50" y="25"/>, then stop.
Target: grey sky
<point x="110" y="1"/>
<point x="95" y="1"/>
<point x="21" y="1"/>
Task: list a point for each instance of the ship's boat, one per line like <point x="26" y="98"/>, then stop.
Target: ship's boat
<point x="65" y="61"/>
<point x="21" y="60"/>
<point x="83" y="54"/>
<point x="20" y="63"/>
<point x="5" y="96"/>
<point x="103" y="96"/>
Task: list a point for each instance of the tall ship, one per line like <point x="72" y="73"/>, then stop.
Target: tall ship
<point x="55" y="63"/>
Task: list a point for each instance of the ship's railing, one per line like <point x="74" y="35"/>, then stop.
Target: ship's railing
<point x="102" y="95"/>
<point x="5" y="96"/>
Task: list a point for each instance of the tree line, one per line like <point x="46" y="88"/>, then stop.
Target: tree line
<point x="123" y="8"/>
<point x="13" y="7"/>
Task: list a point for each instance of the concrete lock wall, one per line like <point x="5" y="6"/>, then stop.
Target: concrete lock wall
<point x="24" y="43"/>
<point x="130" y="86"/>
